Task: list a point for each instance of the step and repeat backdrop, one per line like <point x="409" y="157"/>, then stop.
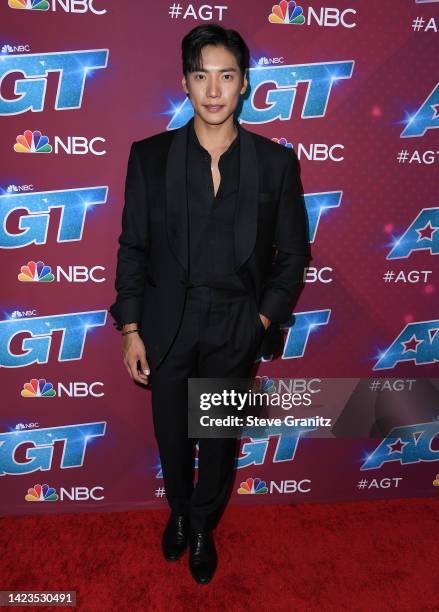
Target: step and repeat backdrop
<point x="353" y="87"/>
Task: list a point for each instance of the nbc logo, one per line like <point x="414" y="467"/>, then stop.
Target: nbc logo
<point x="36" y="142"/>
<point x="290" y="13"/>
<point x="68" y="6"/>
<point x="38" y="387"/>
<point x="252" y="486"/>
<point x="267" y="385"/>
<point x="18" y="188"/>
<point x="32" y="142"/>
<point x="40" y="493"/>
<point x="21" y="426"/>
<point x="39" y="272"/>
<point x="36" y="272"/>
<point x="287" y="13"/>
<point x="262" y="61"/>
<point x="32" y="5"/>
<point x="18" y="314"/>
<point x="15" y="48"/>
<point x="43" y="493"/>
<point x="263" y="384"/>
<point x="284" y="142"/>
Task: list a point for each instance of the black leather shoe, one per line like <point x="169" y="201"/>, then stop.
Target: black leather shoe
<point x="175" y="536"/>
<point x="202" y="555"/>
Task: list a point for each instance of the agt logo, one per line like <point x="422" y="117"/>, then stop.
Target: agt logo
<point x="256" y="486"/>
<point x="417" y="342"/>
<point x="35" y="142"/>
<point x="406" y="445"/>
<point x="40" y="387"/>
<point x="68" y="6"/>
<point x="291" y="13"/>
<point x="300" y="327"/>
<point x="286" y="442"/>
<point x="35" y="347"/>
<point x="39" y="456"/>
<point x="319" y="205"/>
<point x="44" y="493"/>
<point x="425" y="118"/>
<point x="75" y="205"/>
<point x="39" y="272"/>
<point x="298" y="332"/>
<point x="73" y="68"/>
<point x="254" y="451"/>
<point x="422" y="234"/>
<point x="280" y="85"/>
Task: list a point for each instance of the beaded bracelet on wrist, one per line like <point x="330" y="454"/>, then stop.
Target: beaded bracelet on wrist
<point x="130" y="331"/>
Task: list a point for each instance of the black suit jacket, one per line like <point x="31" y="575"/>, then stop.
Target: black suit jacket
<point x="152" y="259"/>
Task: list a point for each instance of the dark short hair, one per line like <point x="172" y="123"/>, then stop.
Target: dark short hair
<point x="212" y="34"/>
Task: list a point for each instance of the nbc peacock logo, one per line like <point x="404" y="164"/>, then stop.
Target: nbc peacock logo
<point x="263" y="384"/>
<point x="284" y="142"/>
<point x="36" y="272"/>
<point x="253" y="486"/>
<point x="31" y="5"/>
<point x="38" y="387"/>
<point x="41" y="493"/>
<point x="267" y="385"/>
<point x="289" y="13"/>
<point x="32" y="142"/>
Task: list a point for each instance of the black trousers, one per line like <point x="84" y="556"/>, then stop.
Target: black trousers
<point x="219" y="336"/>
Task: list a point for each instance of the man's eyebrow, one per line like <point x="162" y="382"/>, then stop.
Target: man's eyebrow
<point x="220" y="70"/>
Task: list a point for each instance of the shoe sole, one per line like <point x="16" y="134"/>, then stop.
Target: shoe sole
<point x="201" y="581"/>
<point x="174" y="558"/>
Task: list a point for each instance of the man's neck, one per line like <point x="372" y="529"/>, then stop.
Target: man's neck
<point x="215" y="137"/>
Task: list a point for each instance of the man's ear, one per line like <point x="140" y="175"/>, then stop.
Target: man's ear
<point x="183" y="83"/>
<point x="244" y="85"/>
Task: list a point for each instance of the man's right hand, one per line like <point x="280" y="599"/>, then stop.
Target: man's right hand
<point x="133" y="351"/>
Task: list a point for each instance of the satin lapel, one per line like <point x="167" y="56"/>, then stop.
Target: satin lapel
<point x="176" y="197"/>
<point x="246" y="214"/>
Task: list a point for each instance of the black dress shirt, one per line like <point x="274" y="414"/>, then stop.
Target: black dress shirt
<point x="211" y="218"/>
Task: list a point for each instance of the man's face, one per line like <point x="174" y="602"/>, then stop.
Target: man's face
<point x="215" y="90"/>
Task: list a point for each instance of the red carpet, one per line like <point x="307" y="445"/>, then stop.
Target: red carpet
<point x="373" y="556"/>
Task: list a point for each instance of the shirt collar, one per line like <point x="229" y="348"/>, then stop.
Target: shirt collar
<point x="194" y="137"/>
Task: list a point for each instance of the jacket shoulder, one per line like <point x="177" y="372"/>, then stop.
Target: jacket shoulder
<point x="155" y="141"/>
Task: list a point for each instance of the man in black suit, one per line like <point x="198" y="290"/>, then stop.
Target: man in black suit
<point x="199" y="293"/>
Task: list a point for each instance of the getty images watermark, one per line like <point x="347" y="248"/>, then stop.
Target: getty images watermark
<point x="225" y="407"/>
<point x="330" y="407"/>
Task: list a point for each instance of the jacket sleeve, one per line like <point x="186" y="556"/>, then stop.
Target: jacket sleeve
<point x="292" y="244"/>
<point x="133" y="247"/>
